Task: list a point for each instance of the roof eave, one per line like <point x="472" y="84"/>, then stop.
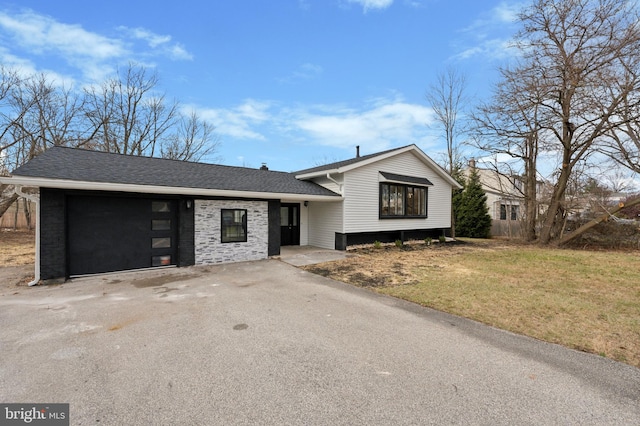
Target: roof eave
<point x="319" y="173"/>
<point x="161" y="190"/>
<point x="425" y="158"/>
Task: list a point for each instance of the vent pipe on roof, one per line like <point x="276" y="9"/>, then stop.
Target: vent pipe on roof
<point x="264" y="166"/>
<point x="357" y="151"/>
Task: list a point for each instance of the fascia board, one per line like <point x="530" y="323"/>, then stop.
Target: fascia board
<point x="376" y="159"/>
<point x="164" y="190"/>
<point x="319" y="173"/>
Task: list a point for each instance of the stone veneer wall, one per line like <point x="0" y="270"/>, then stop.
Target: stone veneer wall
<point x="209" y="249"/>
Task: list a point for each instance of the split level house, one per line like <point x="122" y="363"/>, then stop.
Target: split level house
<point x="102" y="212"/>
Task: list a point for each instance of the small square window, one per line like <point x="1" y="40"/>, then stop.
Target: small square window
<point x="161" y="225"/>
<point x="164" y="242"/>
<point x="234" y="225"/>
<point x="160" y="206"/>
<point x="161" y="260"/>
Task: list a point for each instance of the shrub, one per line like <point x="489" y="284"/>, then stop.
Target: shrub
<point x="442" y="239"/>
<point x="377" y="244"/>
<point x="428" y="241"/>
<point x="398" y="243"/>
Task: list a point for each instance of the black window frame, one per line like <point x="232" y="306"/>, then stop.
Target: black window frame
<point x="406" y="189"/>
<point x="224" y="236"/>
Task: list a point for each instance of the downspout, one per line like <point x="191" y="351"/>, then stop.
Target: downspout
<point x="18" y="190"/>
<point x="336" y="182"/>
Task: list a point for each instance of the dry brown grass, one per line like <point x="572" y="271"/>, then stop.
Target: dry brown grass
<point x="581" y="299"/>
<point x="16" y="247"/>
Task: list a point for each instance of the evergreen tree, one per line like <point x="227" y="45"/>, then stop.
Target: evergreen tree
<point x="470" y="208"/>
<point x="456" y="198"/>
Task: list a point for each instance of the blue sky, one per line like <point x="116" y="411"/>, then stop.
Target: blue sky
<point x="290" y="83"/>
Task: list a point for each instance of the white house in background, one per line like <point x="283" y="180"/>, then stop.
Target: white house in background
<point x="505" y="199"/>
<point x="102" y="212"/>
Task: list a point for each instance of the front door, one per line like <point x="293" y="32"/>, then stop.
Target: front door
<point x="290" y="224"/>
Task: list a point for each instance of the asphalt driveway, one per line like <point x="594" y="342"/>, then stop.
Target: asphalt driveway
<point x="266" y="343"/>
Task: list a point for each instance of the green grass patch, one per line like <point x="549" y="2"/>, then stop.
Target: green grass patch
<point x="581" y="299"/>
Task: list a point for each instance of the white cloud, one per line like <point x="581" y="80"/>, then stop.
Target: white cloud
<point x="25" y="69"/>
<point x="376" y="125"/>
<point x="153" y="39"/>
<point x="489" y="49"/>
<point x="372" y="4"/>
<point x="306" y="71"/>
<point x="94" y="55"/>
<point x="43" y="34"/>
<point x="490" y="36"/>
<point x="239" y="122"/>
<point x="161" y="44"/>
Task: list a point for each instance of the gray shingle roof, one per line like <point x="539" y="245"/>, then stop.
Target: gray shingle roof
<point x="94" y="166"/>
<point x="344" y="163"/>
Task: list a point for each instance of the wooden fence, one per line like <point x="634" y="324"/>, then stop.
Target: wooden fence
<point x="16" y="216"/>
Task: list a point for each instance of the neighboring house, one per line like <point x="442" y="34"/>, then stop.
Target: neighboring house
<point x="102" y="212"/>
<point x="504" y="199"/>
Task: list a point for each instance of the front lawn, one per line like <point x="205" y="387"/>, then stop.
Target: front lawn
<point x="587" y="300"/>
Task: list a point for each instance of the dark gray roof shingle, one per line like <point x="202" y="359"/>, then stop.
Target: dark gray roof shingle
<point x="406" y="179"/>
<point x="94" y="166"/>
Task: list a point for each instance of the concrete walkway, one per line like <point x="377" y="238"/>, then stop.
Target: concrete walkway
<point x="309" y="255"/>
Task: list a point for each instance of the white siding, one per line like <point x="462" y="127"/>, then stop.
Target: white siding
<point x="361" y="187"/>
<point x="325" y="219"/>
<point x="330" y="184"/>
<point x="304" y="225"/>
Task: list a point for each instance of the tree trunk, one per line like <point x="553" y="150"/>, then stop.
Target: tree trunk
<point x="596" y="221"/>
<point x="530" y="193"/>
<point x="6" y="199"/>
<point x="555" y="214"/>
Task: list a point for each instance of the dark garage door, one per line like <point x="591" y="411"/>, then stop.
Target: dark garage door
<point x="108" y="234"/>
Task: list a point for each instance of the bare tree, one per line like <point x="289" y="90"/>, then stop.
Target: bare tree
<point x="193" y="139"/>
<point x="623" y="143"/>
<point x="511" y="124"/>
<point x="447" y="98"/>
<point x="588" y="54"/>
<point x="585" y="55"/>
<point x="125" y="114"/>
<point x="132" y="117"/>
